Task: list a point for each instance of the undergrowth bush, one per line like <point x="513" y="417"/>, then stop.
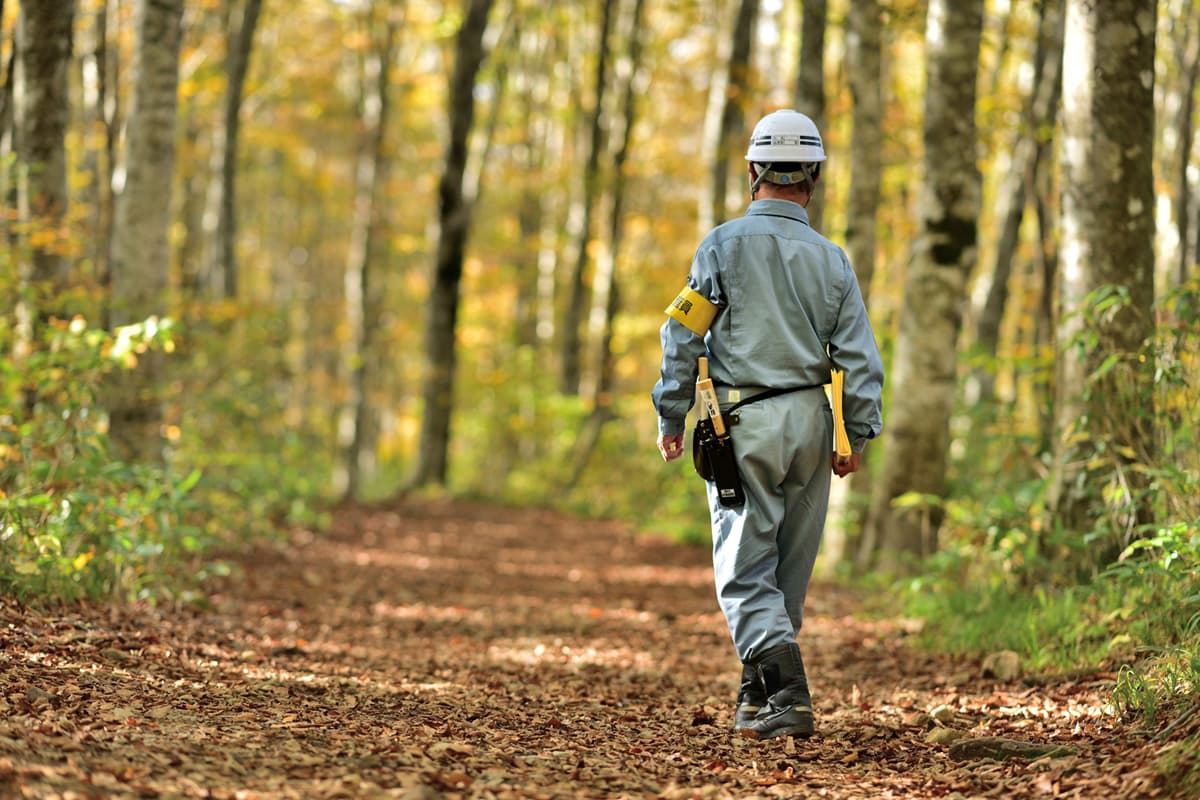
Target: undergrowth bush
<point x="1122" y="597"/>
<point x="74" y="521"/>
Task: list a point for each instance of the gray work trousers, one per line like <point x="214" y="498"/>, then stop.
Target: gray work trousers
<point x="764" y="551"/>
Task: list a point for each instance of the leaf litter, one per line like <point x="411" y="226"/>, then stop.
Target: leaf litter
<point x="444" y="649"/>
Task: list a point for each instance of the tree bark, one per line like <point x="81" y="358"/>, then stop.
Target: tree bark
<point x="221" y="272"/>
<point x="865" y="75"/>
<point x="454" y="217"/>
<point x="41" y="112"/>
<point x="731" y="144"/>
<point x="112" y="126"/>
<point x="96" y="163"/>
<point x="733" y="99"/>
<point x="606" y="296"/>
<point x="141" y="253"/>
<point x="1107" y="246"/>
<point x="810" y="83"/>
<point x="924" y="374"/>
<point x="1046" y="269"/>
<point x="1189" y="62"/>
<point x="1028" y="154"/>
<point x="359" y="282"/>
<point x="6" y="88"/>
<point x="572" y="349"/>
<point x="8" y="184"/>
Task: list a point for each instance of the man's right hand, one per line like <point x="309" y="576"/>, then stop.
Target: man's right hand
<point x="844" y="465"/>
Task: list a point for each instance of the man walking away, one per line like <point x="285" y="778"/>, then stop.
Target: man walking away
<point x="774" y="307"/>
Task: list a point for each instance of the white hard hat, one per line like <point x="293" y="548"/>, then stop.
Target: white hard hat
<point x="783" y="137"/>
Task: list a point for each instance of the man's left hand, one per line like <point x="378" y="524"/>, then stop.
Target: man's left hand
<point x="670" y="445"/>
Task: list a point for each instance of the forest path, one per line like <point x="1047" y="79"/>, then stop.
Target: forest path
<point x="447" y="649"/>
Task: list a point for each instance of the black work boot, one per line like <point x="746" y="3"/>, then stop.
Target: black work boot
<point x="788" y="711"/>
<point x="751" y="696"/>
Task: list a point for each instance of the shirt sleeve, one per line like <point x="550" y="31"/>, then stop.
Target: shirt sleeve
<point x="853" y="349"/>
<point x="675" y="391"/>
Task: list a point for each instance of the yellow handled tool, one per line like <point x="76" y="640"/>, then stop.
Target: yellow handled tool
<point x="841" y="442"/>
<point x="708" y="398"/>
<point x="713" y="447"/>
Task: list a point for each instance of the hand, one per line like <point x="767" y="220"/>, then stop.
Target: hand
<point x="670" y="445"/>
<point x="844" y="465"/>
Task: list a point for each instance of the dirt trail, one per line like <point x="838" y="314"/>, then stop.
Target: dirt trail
<point x="440" y="649"/>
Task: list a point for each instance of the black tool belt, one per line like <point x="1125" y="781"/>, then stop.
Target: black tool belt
<point x="712" y="453"/>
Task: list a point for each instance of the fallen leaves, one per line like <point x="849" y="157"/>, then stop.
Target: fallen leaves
<point x="387" y="658"/>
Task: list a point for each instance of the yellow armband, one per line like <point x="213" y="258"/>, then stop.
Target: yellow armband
<point x="693" y="311"/>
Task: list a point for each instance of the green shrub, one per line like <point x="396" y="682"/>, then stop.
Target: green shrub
<point x="73" y="521"/>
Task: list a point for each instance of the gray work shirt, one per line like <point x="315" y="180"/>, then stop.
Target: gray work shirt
<point x="790" y="309"/>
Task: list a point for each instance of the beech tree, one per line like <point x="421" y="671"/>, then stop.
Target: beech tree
<point x="1104" y="385"/>
<point x="220" y="217"/>
<point x="810" y="82"/>
<point x="362" y="268"/>
<point x="454" y="218"/>
<point x="140" y="252"/>
<point x="727" y="107"/>
<point x="864" y="73"/>
<point x="924" y="376"/>
<point x="41" y="111"/>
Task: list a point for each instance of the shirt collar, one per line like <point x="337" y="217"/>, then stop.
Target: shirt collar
<point x="779" y="208"/>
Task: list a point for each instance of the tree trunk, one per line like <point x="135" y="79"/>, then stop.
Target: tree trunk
<point x="1107" y="246"/>
<point x="734" y="95"/>
<point x="8" y="184"/>
<point x="606" y="298"/>
<point x="1046" y="264"/>
<point x="221" y="270"/>
<point x="140" y="252"/>
<point x="577" y="299"/>
<point x="865" y="75"/>
<point x="454" y="217"/>
<point x="95" y="84"/>
<point x="112" y="128"/>
<point x="529" y="226"/>
<point x="1189" y="62"/>
<point x="6" y="88"/>
<point x="810" y="82"/>
<point x="924" y="374"/>
<point x="359" y="284"/>
<point x="41" y="112"/>
<point x="1028" y="153"/>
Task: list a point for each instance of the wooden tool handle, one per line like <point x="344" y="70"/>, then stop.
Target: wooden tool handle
<point x="708" y="398"/>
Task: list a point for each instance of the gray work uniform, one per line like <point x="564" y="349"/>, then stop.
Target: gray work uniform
<point x="789" y="309"/>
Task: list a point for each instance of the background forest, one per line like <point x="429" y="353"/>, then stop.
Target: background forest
<point x="263" y="257"/>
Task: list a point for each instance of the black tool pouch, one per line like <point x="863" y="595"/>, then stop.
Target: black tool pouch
<point x="713" y="456"/>
<point x="714" y="460"/>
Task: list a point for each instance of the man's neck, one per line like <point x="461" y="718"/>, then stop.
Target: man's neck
<point x="769" y="191"/>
